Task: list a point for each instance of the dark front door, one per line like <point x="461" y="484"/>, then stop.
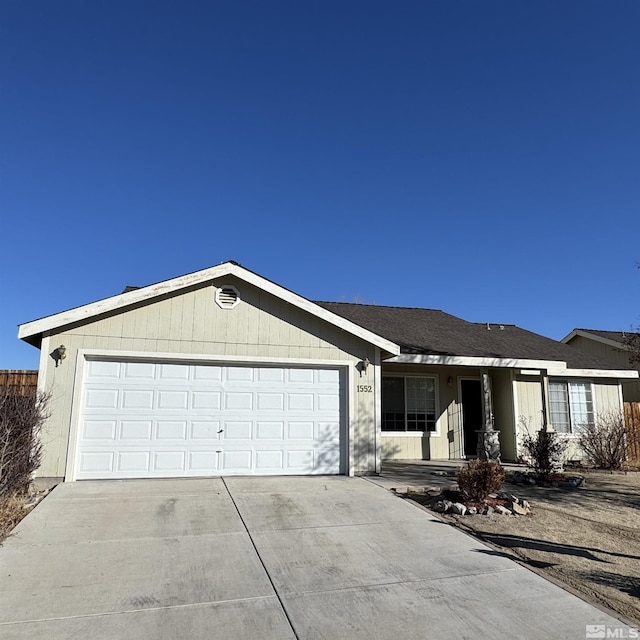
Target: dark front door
<point x="471" y="399"/>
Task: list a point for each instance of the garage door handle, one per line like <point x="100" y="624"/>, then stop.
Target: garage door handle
<point x="221" y="430"/>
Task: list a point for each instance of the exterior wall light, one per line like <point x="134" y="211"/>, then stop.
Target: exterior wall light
<point x="60" y="354"/>
<point x="363" y="365"/>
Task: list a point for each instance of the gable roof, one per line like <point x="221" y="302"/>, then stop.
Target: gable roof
<point x="32" y="332"/>
<point x="429" y="332"/>
<point x="612" y="338"/>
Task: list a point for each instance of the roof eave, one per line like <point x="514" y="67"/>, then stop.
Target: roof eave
<point x="31" y="332"/>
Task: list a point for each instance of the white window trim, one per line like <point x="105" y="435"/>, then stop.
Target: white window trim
<point x="573" y="434"/>
<point x="414" y="434"/>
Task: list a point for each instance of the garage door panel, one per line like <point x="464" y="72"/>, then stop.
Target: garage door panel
<point x="270" y="401"/>
<point x="171" y="430"/>
<point x="206" y="400"/>
<point x="136" y="461"/>
<point x="101" y="399"/>
<point x="103" y="369"/>
<point x="139" y="370"/>
<point x="100" y="462"/>
<point x="239" y="461"/>
<point x="300" y="401"/>
<point x="298" y="376"/>
<point x="172" y="461"/>
<point x="205" y="430"/>
<point x="203" y="462"/>
<point x="99" y="429"/>
<point x="137" y="399"/>
<point x="237" y="430"/>
<point x="174" y="372"/>
<point x="238" y="401"/>
<point x="269" y="430"/>
<point x="179" y="419"/>
<point x="136" y="430"/>
<point x="207" y="372"/>
<point x="270" y="375"/>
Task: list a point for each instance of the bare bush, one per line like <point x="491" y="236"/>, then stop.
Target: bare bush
<point x="478" y="478"/>
<point x="21" y="419"/>
<point x="545" y="450"/>
<point x="605" y="442"/>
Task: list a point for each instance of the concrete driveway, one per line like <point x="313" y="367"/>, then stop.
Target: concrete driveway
<point x="264" y="558"/>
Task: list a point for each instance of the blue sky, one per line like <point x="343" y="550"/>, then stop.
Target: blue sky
<point x="477" y="157"/>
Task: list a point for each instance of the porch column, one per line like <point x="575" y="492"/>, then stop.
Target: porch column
<point x="544" y="390"/>
<point x="488" y="437"/>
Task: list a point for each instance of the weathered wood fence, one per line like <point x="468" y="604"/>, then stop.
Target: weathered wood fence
<point x="632" y="422"/>
<point x="19" y="382"/>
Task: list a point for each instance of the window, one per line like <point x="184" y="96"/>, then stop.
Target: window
<point x="408" y="404"/>
<point x="570" y="405"/>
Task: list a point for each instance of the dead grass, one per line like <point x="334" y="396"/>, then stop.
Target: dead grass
<point x="12" y="509"/>
<point x="587" y="538"/>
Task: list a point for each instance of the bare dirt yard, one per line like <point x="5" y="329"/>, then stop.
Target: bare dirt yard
<point x="587" y="538"/>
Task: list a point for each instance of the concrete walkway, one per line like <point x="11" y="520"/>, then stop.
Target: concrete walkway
<point x="264" y="558"/>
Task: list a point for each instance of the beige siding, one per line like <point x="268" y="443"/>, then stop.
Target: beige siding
<point x="504" y="418"/>
<point x="528" y="403"/>
<point x="191" y="323"/>
<point x="607" y="397"/>
<point x="619" y="357"/>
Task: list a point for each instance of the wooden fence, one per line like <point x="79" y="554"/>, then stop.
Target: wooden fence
<point x="632" y="421"/>
<point x="20" y="382"/>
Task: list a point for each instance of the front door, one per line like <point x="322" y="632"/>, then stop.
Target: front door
<point x="471" y="400"/>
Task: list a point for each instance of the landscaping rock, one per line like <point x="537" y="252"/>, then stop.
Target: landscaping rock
<point x="503" y="511"/>
<point x="471" y="511"/>
<point x="458" y="508"/>
<point x="517" y="508"/>
<point x="442" y="506"/>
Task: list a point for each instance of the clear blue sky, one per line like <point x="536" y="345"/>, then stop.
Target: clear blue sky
<point x="478" y="157"/>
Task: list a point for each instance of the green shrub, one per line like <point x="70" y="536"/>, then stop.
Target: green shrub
<point x="478" y="478"/>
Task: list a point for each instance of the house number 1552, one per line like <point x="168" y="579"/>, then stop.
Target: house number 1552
<point x="364" y="388"/>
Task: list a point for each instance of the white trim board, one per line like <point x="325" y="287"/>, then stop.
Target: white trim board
<point x="123" y="300"/>
<point x="552" y="367"/>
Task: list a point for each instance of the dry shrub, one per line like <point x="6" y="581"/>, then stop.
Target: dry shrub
<point x="21" y="419"/>
<point x="605" y="442"/>
<point x="545" y="450"/>
<point x="478" y="478"/>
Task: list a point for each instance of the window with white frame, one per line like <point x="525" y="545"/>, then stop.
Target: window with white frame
<point x="570" y="405"/>
<point x="408" y="403"/>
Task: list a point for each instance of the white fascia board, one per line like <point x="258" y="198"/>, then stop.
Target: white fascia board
<point x="591" y="336"/>
<point x="551" y="367"/>
<point x="143" y="294"/>
<point x="600" y="373"/>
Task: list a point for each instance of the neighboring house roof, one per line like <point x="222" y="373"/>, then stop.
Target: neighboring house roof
<point x="611" y="338"/>
<point x="430" y="332"/>
<point x="32" y="332"/>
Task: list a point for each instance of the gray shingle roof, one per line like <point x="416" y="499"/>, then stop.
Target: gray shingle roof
<point x="617" y="336"/>
<point x="433" y="332"/>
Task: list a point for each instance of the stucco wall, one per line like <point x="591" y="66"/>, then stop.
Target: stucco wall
<point x="261" y="327"/>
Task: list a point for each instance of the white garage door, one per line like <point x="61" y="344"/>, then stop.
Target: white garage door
<point x="161" y="419"/>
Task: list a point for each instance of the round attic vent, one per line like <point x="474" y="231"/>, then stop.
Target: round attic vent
<point x="227" y="297"/>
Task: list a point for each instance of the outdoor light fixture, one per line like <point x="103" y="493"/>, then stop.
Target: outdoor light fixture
<point x="363" y="365"/>
<point x="60" y="354"/>
<point x="450" y="382"/>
